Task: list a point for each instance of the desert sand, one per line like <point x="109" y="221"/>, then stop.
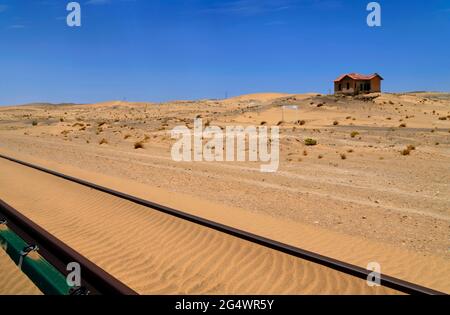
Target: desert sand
<point x="359" y="195"/>
<point x="158" y="254"/>
<point x="12" y="280"/>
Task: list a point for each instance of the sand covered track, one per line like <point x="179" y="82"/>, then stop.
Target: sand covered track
<point x="94" y="279"/>
<point x="185" y="254"/>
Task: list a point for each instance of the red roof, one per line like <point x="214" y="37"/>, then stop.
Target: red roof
<point x="357" y="76"/>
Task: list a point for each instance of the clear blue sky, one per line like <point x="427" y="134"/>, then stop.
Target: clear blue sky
<point x="155" y="50"/>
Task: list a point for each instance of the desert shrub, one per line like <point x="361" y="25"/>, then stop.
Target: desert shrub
<point x="354" y="134"/>
<point x="335" y="123"/>
<point x="139" y="145"/>
<point x="103" y="141"/>
<point x="343" y="156"/>
<point x="310" y="142"/>
<point x="402" y="125"/>
<point x="263" y="123"/>
<point x="127" y="136"/>
<point x="34" y="123"/>
<point x="406" y="152"/>
<point x="442" y="118"/>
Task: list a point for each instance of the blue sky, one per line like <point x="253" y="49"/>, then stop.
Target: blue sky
<point x="156" y="50"/>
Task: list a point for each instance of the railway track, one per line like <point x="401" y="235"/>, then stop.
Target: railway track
<point x="22" y="236"/>
<point x="98" y="281"/>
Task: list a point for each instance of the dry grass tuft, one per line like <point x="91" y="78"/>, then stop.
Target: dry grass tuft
<point x="408" y="150"/>
<point x="310" y="142"/>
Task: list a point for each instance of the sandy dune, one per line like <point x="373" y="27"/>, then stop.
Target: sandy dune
<point x="357" y="198"/>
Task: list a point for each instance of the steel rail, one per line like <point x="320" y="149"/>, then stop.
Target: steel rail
<point x="58" y="254"/>
<point x="359" y="272"/>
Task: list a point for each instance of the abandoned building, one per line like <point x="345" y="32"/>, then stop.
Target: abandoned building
<point x="355" y="83"/>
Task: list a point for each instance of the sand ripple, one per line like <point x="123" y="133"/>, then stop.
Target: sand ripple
<point x="158" y="254"/>
<point x="12" y="280"/>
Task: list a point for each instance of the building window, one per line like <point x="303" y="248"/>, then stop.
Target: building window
<point x="348" y="86"/>
<point x="340" y="87"/>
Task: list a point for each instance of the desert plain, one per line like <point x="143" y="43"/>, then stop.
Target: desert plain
<point x="374" y="187"/>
